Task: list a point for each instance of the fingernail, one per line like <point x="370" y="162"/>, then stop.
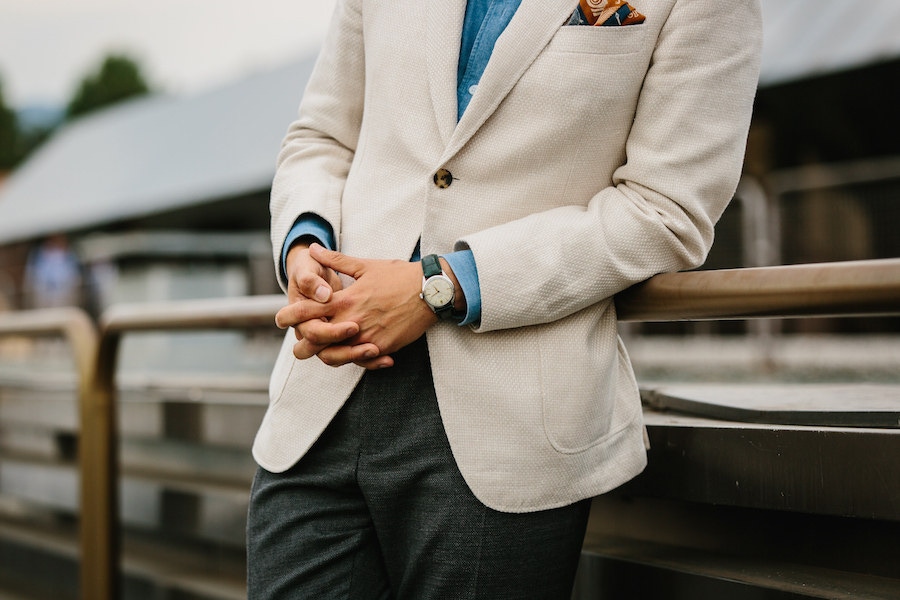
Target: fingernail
<point x="371" y="353"/>
<point x="322" y="293"/>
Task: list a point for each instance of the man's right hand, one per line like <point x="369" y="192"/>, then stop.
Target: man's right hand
<point x="308" y="279"/>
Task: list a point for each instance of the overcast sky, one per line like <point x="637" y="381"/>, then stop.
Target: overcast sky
<point x="47" y="46"/>
<point x="184" y="46"/>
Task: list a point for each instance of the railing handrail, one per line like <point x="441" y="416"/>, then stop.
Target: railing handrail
<point x="70" y="322"/>
<point x="852" y="288"/>
<point x="235" y="313"/>
<point x="849" y="288"/>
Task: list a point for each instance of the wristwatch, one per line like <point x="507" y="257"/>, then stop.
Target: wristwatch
<point x="437" y="289"/>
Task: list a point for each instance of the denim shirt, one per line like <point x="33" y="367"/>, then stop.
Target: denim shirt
<point x="485" y="20"/>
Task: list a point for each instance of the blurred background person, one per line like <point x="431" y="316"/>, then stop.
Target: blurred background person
<point x="53" y="275"/>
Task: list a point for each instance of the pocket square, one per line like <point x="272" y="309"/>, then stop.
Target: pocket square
<point x="605" y="13"/>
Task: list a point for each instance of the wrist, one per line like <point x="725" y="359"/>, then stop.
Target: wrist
<point x="439" y="288"/>
<point x="459" y="298"/>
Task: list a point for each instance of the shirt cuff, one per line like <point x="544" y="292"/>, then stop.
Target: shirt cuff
<point x="463" y="265"/>
<point x="306" y="225"/>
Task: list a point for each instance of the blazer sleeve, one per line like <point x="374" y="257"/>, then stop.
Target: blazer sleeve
<point x="318" y="149"/>
<point x="683" y="161"/>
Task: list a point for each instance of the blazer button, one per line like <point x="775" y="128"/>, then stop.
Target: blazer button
<point x="443" y="178"/>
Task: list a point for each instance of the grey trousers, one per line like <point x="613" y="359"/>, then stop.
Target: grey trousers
<point x="377" y="509"/>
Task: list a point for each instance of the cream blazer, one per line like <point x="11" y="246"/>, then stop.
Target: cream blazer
<point x="589" y="159"/>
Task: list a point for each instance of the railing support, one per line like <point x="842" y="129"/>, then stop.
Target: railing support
<point x="97" y="487"/>
<point x="100" y="469"/>
<point x="100" y="463"/>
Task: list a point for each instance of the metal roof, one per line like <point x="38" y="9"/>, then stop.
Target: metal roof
<point x="805" y="38"/>
<point x="162" y="153"/>
<point x="153" y="155"/>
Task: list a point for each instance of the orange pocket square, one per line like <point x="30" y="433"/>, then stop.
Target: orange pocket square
<point x="605" y="13"/>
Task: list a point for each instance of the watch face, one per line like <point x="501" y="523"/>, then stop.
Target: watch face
<point x="438" y="292"/>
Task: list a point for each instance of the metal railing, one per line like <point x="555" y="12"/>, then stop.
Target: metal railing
<point x="230" y="313"/>
<point x="850" y="288"/>
<point x="853" y="288"/>
<point x="97" y="502"/>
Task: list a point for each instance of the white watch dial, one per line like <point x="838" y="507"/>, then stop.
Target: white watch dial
<point x="438" y="292"/>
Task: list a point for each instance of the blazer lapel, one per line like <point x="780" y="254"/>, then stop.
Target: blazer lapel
<point x="443" y="32"/>
<point x="531" y="28"/>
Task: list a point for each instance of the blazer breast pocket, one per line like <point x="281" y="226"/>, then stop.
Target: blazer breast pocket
<point x="599" y="40"/>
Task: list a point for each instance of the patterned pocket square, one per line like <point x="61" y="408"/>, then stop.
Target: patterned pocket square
<point x="605" y="13"/>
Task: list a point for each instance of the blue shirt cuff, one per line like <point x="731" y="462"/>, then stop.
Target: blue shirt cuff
<point x="307" y="224"/>
<point x="463" y="265"/>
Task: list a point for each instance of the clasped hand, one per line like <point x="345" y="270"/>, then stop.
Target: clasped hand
<point x="363" y="323"/>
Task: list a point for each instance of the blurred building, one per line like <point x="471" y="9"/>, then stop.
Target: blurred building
<point x="162" y="197"/>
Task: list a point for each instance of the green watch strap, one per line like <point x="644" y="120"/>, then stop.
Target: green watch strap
<point x="431" y="266"/>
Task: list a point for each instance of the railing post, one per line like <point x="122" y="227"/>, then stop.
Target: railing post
<point x="97" y="574"/>
<point x="98" y="455"/>
<point x="101" y="528"/>
<point x="761" y="247"/>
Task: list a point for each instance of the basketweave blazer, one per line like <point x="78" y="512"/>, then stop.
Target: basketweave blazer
<point x="589" y="159"/>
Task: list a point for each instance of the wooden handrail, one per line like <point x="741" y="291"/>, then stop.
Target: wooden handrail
<point x="228" y="313"/>
<point x="854" y="288"/>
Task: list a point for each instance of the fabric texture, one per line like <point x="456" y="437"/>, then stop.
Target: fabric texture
<point x="590" y="158"/>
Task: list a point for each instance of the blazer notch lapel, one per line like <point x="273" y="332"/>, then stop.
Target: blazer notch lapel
<point x="444" y="30"/>
<point x="529" y="31"/>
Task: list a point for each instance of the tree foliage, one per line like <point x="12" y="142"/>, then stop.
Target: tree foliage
<point x="10" y="138"/>
<point x="118" y="78"/>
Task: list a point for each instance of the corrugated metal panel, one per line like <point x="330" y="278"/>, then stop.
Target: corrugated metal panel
<point x="153" y="155"/>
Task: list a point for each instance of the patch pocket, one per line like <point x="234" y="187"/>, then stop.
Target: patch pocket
<point x="599" y="40"/>
<point x="579" y="394"/>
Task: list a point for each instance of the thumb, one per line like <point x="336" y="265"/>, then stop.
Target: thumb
<point x="337" y="261"/>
